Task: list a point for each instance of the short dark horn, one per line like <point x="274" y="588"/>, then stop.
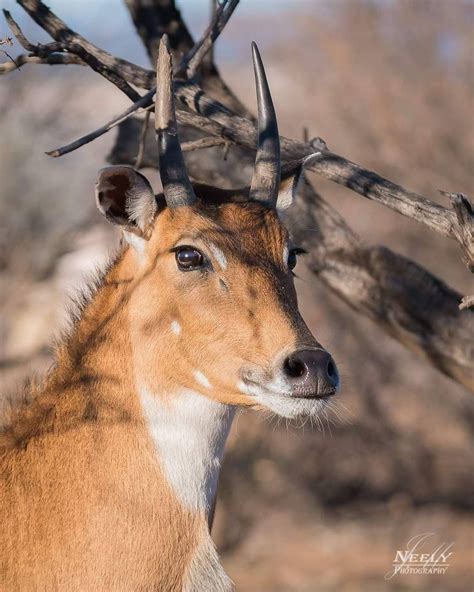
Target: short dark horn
<point x="266" y="178"/>
<point x="174" y="178"/>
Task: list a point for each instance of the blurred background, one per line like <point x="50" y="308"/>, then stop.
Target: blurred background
<point x="388" y="84"/>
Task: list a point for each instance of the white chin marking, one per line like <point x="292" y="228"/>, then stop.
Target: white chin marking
<point x="202" y="379"/>
<point x="175" y="327"/>
<point x="280" y="401"/>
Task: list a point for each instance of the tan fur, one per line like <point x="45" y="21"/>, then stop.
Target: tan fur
<point x="84" y="503"/>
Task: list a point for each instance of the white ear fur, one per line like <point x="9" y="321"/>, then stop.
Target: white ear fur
<point x="138" y="244"/>
<point x="125" y="197"/>
<point x="290" y="182"/>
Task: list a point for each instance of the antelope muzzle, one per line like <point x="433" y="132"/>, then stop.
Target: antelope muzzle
<point x="311" y="373"/>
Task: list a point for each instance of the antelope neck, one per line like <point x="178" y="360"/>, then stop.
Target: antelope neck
<point x="188" y="430"/>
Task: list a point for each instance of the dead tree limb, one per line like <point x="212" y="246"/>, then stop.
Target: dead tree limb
<point x="153" y="18"/>
<point x="141" y="146"/>
<point x="207" y="142"/>
<point x="55" y="59"/>
<point x="192" y="61"/>
<point x="75" y="43"/>
<point x="464" y="229"/>
<point x="407" y="301"/>
<point x="400" y="296"/>
<point x="114" y="69"/>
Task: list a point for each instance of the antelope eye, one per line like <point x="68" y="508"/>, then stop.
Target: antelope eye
<point x="293" y="257"/>
<point x="292" y="260"/>
<point x="188" y="258"/>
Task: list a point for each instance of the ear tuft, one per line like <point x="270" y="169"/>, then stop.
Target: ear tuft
<point x="125" y="197"/>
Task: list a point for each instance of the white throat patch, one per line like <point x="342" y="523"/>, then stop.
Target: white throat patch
<point x="189" y="432"/>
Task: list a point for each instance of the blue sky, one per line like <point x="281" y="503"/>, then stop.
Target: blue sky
<point x="107" y="23"/>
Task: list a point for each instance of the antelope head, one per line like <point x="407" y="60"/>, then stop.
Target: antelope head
<point x="214" y="308"/>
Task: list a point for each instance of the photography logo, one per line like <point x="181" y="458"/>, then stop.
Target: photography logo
<point x="421" y="556"/>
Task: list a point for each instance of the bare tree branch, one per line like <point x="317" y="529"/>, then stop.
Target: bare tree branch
<point x="8" y="41"/>
<point x="18" y="33"/>
<point x="457" y="225"/>
<point x="193" y="59"/>
<point x="208" y="142"/>
<point x="69" y="40"/>
<point x="141" y="146"/>
<point x="401" y="297"/>
<point x="153" y="18"/>
<point x="55" y="59"/>
<point x="40" y="53"/>
<point x="140" y="104"/>
<point x="464" y="227"/>
<point x="77" y="44"/>
<point x="104" y="63"/>
<point x="207" y="63"/>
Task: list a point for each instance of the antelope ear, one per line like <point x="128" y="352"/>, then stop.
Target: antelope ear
<point x="125" y="197"/>
<point x="291" y="176"/>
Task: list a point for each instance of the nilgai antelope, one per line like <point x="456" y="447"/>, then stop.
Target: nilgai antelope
<point x="110" y="468"/>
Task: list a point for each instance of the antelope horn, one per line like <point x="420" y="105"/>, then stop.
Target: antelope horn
<point x="177" y="187"/>
<point x="266" y="178"/>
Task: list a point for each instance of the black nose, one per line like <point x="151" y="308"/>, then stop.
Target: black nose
<point x="311" y="372"/>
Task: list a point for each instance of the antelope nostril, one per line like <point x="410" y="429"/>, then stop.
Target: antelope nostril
<point x="294" y="368"/>
<point x="331" y="369"/>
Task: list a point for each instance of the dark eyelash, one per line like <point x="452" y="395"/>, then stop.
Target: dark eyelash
<point x="179" y="247"/>
<point x="299" y="251"/>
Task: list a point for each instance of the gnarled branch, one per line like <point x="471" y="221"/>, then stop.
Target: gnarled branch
<point x="192" y="61"/>
<point x="55" y="59"/>
<point x="463" y="228"/>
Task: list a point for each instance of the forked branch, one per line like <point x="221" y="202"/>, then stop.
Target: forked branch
<point x="194" y="58"/>
<point x="55" y="59"/>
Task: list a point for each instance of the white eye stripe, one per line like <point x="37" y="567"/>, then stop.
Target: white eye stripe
<point x="219" y="256"/>
<point x="202" y="379"/>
